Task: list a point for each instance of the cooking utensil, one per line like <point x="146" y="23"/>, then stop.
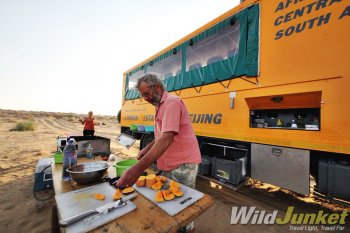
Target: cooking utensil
<point x="111" y="181"/>
<point x="99" y="211"/>
<point x="88" y="173"/>
<point x="187" y="199"/>
<point x="118" y="204"/>
<point x="121" y="202"/>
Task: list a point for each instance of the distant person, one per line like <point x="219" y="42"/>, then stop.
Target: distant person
<point x="89" y="125"/>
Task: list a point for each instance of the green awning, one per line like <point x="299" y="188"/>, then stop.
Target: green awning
<point x="235" y="63"/>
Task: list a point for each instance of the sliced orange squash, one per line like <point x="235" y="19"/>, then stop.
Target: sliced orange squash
<point x="117" y="195"/>
<point x="173" y="189"/>
<point x="157" y="185"/>
<point x="141" y="181"/>
<point x="178" y="193"/>
<point x="165" y="192"/>
<point x="150" y="179"/>
<point x="161" y="178"/>
<point x="170" y="196"/>
<point x="99" y="196"/>
<point x="128" y="190"/>
<point x="174" y="184"/>
<point x="159" y="196"/>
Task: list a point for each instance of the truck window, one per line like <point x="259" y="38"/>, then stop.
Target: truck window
<point x="168" y="66"/>
<point x="214" y="48"/>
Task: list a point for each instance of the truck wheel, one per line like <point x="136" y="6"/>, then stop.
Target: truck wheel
<point x="145" y="140"/>
<point x="119" y="116"/>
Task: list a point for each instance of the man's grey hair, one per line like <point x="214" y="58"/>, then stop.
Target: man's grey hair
<point x="151" y="79"/>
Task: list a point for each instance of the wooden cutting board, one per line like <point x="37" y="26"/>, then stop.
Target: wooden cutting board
<point x="176" y="205"/>
<point x="81" y="200"/>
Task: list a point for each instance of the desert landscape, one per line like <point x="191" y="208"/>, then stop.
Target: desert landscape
<point x="21" y="150"/>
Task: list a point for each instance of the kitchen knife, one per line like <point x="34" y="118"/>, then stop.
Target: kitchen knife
<point x="100" y="210"/>
<point x="187" y="199"/>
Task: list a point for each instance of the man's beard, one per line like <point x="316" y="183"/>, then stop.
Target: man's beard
<point x="156" y="99"/>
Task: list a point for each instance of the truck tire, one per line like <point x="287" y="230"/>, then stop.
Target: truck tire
<point x="119" y="116"/>
<point x="145" y="140"/>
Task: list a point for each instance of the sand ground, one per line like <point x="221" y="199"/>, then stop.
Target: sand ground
<point x="20" y="152"/>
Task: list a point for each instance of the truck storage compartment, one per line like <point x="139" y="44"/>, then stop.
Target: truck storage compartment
<point x="229" y="160"/>
<point x="334" y="178"/>
<point x="297" y="111"/>
<point x="281" y="166"/>
<point x="227" y="170"/>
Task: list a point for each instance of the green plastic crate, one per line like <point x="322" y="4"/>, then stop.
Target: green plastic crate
<point x="133" y="127"/>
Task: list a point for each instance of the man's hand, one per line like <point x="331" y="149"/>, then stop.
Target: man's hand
<point x="149" y="154"/>
<point x="129" y="178"/>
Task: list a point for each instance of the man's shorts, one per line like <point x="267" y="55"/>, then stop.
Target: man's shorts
<point x="185" y="174"/>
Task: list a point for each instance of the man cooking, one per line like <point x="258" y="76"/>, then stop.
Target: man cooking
<point x="175" y="147"/>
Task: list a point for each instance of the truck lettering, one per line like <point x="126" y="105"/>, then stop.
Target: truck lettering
<point x="131" y="117"/>
<point x="148" y="118"/>
<point x="206" y="118"/>
<point x="282" y="5"/>
<point x="296" y="14"/>
<point x="346" y="12"/>
<point x="323" y="19"/>
<point x="300" y="12"/>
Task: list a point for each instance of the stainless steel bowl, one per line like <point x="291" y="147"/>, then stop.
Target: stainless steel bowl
<point x="88" y="173"/>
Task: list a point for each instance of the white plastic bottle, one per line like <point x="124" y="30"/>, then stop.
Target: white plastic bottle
<point x="89" y="152"/>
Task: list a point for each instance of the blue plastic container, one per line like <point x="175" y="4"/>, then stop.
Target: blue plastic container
<point x="149" y="128"/>
<point x="141" y="128"/>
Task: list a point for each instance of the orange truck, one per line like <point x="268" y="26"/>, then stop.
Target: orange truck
<point x="266" y="88"/>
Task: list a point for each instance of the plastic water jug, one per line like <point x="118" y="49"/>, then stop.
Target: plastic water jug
<point x="70" y="158"/>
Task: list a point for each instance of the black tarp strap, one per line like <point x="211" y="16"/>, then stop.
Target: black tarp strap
<point x="256" y="78"/>
<point x="178" y="94"/>
<point x="198" y="91"/>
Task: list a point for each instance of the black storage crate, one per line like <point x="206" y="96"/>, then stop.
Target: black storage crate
<point x="205" y="166"/>
<point x="227" y="170"/>
<point x="334" y="178"/>
<point x="223" y="151"/>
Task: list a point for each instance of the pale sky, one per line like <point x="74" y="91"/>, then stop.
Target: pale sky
<point x="70" y="55"/>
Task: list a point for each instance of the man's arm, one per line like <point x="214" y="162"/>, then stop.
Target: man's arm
<point x="145" y="150"/>
<point x="157" y="150"/>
